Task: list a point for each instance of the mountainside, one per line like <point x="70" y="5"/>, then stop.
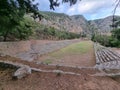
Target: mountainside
<point x="104" y="25"/>
<point x="76" y="23"/>
<point x="63" y="22"/>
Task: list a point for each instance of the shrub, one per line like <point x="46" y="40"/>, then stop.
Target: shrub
<point x="105" y="40"/>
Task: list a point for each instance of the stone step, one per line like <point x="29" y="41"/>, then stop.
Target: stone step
<point x="106" y="58"/>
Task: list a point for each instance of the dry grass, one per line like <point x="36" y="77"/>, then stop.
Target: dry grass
<point x="77" y="48"/>
<point x="78" y="54"/>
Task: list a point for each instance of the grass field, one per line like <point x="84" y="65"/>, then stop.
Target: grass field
<point x="78" y="48"/>
<point x="75" y="51"/>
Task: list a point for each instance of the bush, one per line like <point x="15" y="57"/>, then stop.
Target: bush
<point x="20" y="32"/>
<point x="116" y="33"/>
<point x="113" y="42"/>
<point x="105" y="40"/>
<point x="52" y="33"/>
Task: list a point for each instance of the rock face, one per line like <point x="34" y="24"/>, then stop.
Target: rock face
<point x="63" y="22"/>
<point x="80" y="21"/>
<point x="76" y="23"/>
<point x="104" y="25"/>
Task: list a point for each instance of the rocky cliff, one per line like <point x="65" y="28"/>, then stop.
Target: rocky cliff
<point x="60" y="21"/>
<point x="76" y="23"/>
<point x="104" y="25"/>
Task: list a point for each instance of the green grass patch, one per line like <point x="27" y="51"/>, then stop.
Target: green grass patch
<point x="47" y="61"/>
<point x="77" y="48"/>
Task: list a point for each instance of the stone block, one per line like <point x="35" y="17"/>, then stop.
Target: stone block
<point x="22" y="72"/>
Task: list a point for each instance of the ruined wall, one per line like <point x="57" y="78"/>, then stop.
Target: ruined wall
<point x="12" y="48"/>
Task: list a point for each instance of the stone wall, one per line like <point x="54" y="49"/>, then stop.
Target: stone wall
<point x="12" y="48"/>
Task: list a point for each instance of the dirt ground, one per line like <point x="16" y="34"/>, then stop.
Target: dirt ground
<point x="55" y="81"/>
<point x="83" y="60"/>
<point x="29" y="50"/>
<point x="51" y="81"/>
<point x="117" y="50"/>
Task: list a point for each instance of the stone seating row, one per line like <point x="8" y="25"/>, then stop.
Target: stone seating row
<point x="106" y="58"/>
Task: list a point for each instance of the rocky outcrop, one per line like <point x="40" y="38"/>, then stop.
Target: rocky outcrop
<point x="80" y="22"/>
<point x="63" y="22"/>
<point x="77" y="23"/>
<point x="104" y="25"/>
<point x="22" y="72"/>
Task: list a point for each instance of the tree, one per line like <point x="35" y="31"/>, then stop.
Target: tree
<point x="114" y="11"/>
<point x="116" y="29"/>
<point x="54" y="3"/>
<point x="116" y="33"/>
<point x="12" y="12"/>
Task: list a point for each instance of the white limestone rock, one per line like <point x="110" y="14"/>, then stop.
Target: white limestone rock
<point x="22" y="72"/>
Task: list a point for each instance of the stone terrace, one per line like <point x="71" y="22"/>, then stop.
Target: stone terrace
<point x="106" y="58"/>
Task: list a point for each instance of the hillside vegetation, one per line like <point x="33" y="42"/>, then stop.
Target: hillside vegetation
<point x="57" y="26"/>
<point x="30" y="29"/>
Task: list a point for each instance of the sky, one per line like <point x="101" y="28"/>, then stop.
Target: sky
<point x="90" y="9"/>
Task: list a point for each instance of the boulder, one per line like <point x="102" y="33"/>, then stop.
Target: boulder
<point x="22" y="72"/>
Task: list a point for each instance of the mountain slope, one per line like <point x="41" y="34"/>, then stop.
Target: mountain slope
<point x="76" y="23"/>
<point x="104" y="25"/>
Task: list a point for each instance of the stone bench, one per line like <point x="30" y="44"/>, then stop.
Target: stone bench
<point x="106" y="58"/>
